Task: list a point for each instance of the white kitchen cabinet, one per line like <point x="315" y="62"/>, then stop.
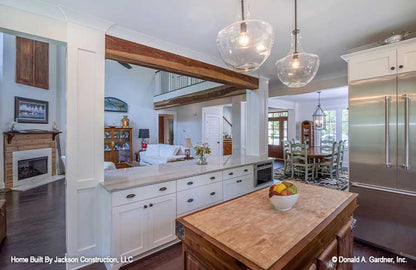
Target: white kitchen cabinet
<point x="382" y="61"/>
<point x="143" y="225"/>
<point x="129" y="229"/>
<point x="196" y="198"/>
<point x="372" y="65"/>
<point x="406" y="58"/>
<point x="161" y="226"/>
<point x="238" y="186"/>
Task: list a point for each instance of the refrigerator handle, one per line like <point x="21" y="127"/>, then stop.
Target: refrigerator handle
<point x="387" y="131"/>
<point x="406" y="132"/>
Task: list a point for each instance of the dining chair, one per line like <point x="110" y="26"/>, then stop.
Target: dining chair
<point x="327" y="143"/>
<point x="287" y="157"/>
<point x="341" y="150"/>
<point x="330" y="166"/>
<point x="295" y="141"/>
<point x="300" y="161"/>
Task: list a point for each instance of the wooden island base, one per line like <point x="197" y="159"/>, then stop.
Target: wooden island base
<point x="287" y="241"/>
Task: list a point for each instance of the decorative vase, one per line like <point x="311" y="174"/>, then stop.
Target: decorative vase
<point x="125" y="121"/>
<point x="202" y="160"/>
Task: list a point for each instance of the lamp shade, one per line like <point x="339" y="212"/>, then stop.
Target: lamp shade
<point x="144" y="133"/>
<point x="187" y="143"/>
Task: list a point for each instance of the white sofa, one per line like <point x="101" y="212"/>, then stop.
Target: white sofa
<point x="162" y="154"/>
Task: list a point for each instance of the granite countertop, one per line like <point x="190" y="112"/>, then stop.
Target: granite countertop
<point x="121" y="179"/>
<point x="251" y="227"/>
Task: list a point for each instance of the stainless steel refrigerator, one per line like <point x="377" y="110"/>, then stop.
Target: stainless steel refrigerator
<point x="382" y="136"/>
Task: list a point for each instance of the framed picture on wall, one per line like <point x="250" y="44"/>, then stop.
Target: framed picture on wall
<point x="33" y="111"/>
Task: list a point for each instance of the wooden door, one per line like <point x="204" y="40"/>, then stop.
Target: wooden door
<point x="161" y="217"/>
<point x="161" y="129"/>
<point x="129" y="229"/>
<point x="277" y="133"/>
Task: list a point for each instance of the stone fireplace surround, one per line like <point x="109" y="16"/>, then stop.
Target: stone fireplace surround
<point x="24" y="145"/>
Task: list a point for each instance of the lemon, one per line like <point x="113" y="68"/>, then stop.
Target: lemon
<point x="279" y="188"/>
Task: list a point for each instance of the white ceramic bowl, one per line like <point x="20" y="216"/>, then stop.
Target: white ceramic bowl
<point x="284" y="203"/>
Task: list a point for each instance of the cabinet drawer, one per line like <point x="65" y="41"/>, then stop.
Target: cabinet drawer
<point x="195" y="198"/>
<point x="324" y="261"/>
<point x="198" y="180"/>
<point x="238" y="186"/>
<point x="236" y="172"/>
<point x="143" y="193"/>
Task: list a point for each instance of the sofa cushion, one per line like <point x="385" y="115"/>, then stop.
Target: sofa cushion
<point x="166" y="150"/>
<point x="152" y="150"/>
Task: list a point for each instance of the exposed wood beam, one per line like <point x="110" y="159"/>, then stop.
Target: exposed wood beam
<point x="206" y="95"/>
<point x="130" y="52"/>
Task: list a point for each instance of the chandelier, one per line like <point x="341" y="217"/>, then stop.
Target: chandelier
<point x="298" y="68"/>
<point x="319" y="115"/>
<point x="245" y="45"/>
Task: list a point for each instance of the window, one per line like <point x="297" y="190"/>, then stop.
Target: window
<point x="329" y="133"/>
<point x="344" y="126"/>
<point x="274" y="133"/>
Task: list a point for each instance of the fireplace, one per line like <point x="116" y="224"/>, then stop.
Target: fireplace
<point x="32" y="167"/>
<point x="27" y="168"/>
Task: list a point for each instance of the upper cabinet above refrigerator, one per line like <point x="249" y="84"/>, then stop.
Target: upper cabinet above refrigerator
<point x="382" y="61"/>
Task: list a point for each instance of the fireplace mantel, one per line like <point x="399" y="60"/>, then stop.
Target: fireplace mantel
<point x="11" y="134"/>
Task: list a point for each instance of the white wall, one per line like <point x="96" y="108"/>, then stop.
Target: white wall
<point x="9" y="89"/>
<point x="134" y="86"/>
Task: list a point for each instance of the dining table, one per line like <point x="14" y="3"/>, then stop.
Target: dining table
<point x="316" y="153"/>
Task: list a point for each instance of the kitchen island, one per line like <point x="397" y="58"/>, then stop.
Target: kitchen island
<point x="139" y="205"/>
<point x="248" y="233"/>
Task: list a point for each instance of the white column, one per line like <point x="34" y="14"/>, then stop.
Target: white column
<point x="256" y="114"/>
<point x="236" y="128"/>
<point x="84" y="145"/>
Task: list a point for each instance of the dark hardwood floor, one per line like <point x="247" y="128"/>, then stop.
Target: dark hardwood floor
<point x="35" y="225"/>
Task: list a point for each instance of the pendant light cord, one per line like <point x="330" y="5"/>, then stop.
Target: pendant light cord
<point x="242" y="10"/>
<point x="296" y="26"/>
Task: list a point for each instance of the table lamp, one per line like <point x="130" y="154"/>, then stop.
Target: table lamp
<point x="144" y="134"/>
<point x="187" y="144"/>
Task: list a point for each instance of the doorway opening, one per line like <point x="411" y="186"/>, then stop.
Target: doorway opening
<point x="277" y="133"/>
<point x="32" y="156"/>
<point x="166" y="129"/>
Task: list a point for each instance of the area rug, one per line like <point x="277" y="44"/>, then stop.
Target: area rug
<point x="324" y="181"/>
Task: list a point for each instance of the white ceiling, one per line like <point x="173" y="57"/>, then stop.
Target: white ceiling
<point x="328" y="27"/>
<point x="328" y="94"/>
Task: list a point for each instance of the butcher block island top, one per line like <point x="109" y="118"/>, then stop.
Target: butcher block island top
<point x="248" y="232"/>
<point x="121" y="179"/>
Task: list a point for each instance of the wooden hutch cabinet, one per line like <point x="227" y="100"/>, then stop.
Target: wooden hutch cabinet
<point x="118" y="146"/>
<point x="307" y="133"/>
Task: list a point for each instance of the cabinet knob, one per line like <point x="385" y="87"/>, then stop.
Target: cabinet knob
<point x="401" y="66"/>
<point x="392" y="68"/>
<point x="245" y="170"/>
<point x="231" y="173"/>
<point x="190" y="183"/>
<point x="212" y="177"/>
<point x="163" y="188"/>
<point x="150" y="205"/>
<point x="212" y="193"/>
<point x="190" y="200"/>
<point x="239" y="181"/>
<point x="131" y="196"/>
<point x="145" y="206"/>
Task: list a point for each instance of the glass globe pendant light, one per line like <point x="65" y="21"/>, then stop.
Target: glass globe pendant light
<point x="319" y="115"/>
<point x="245" y="45"/>
<point x="298" y="68"/>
